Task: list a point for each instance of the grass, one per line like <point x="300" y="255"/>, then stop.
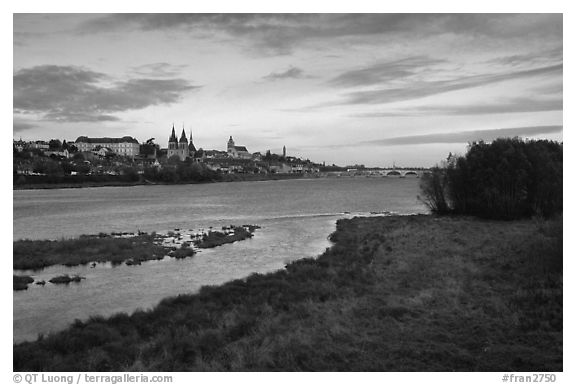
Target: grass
<point x="65" y="279"/>
<point x="218" y="238"/>
<point x="183" y="252"/>
<point x="21" y="282"/>
<point x="37" y="254"/>
<point x="416" y="293"/>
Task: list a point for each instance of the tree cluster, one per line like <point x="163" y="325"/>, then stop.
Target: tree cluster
<point x="505" y="179"/>
<point x="179" y="172"/>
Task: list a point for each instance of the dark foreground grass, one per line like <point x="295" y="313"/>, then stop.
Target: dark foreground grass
<point x="393" y="294"/>
<point x="37" y="254"/>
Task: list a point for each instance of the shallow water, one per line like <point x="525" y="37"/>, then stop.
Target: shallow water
<point x="296" y="217"/>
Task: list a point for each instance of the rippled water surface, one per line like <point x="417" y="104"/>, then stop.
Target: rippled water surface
<point x="296" y="217"/>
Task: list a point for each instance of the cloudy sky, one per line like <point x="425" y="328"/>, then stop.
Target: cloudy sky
<point x="375" y="89"/>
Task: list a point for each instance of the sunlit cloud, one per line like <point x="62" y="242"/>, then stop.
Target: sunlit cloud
<point x="159" y="70"/>
<point x="463" y="136"/>
<point x="290" y="73"/>
<point x="423" y="88"/>
<point x="503" y="106"/>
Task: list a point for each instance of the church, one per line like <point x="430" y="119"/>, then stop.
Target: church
<point x="237" y="152"/>
<point x="181" y="148"/>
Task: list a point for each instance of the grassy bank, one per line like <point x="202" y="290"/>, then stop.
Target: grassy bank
<point x="393" y="294"/>
<point x="37" y="254"/>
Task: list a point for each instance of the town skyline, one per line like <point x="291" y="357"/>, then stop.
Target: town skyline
<point x="341" y="88"/>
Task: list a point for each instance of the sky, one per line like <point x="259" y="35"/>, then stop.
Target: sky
<point x="373" y="89"/>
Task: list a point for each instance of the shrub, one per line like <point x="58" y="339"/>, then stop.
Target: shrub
<point x="433" y="186"/>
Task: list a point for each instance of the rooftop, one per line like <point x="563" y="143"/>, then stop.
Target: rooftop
<point x="124" y="139"/>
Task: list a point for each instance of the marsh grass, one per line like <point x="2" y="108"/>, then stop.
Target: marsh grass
<point x="416" y="293"/>
<point x="37" y="254"/>
<point x="65" y="279"/>
<point x="21" y="282"/>
<point x="218" y="238"/>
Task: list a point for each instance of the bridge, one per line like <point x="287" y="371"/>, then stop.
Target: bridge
<point x="398" y="172"/>
<point x="379" y="172"/>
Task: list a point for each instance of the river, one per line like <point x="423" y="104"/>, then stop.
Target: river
<point x="296" y="217"/>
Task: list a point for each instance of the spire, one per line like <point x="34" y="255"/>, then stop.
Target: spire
<point x="173" y="136"/>
<point x="191" y="146"/>
<point x="183" y="137"/>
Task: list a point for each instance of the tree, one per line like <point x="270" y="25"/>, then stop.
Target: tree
<point x="149" y="148"/>
<point x="55" y="145"/>
<point x="174" y="159"/>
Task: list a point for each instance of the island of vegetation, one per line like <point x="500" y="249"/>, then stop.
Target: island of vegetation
<point x="117" y="248"/>
<point x="228" y="235"/>
<point x="396" y="293"/>
<point x="21" y="282"/>
<point x="37" y="254"/>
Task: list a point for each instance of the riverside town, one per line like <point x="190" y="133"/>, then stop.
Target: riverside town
<point x="124" y="160"/>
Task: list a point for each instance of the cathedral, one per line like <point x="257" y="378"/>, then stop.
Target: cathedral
<point x="181" y="148"/>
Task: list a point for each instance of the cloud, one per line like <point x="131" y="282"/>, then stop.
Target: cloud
<point x="421" y="89"/>
<point x="514" y="105"/>
<point x="547" y="57"/>
<point x="290" y="73"/>
<point x="464" y="136"/>
<point x="19" y="126"/>
<point x="280" y="33"/>
<point x="159" y="70"/>
<point x="384" y="72"/>
<point x="74" y="94"/>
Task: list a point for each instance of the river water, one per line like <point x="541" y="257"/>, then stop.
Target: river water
<point x="296" y="217"/>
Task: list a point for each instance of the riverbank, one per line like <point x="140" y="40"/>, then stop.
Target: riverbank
<point x="38" y="183"/>
<point x="414" y="293"/>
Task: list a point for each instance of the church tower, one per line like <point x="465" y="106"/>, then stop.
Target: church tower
<point x="230" y="146"/>
<point x="172" y="144"/>
<point x="284" y="152"/>
<point x="183" y="146"/>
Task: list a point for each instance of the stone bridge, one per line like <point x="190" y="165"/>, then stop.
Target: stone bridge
<point x="398" y="172"/>
<point x="387" y="172"/>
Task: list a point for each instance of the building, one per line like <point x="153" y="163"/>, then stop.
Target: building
<point x="58" y="154"/>
<point x="214" y="154"/>
<point x="39" y="144"/>
<point x="181" y="148"/>
<point x="125" y="146"/>
<point x="237" y="152"/>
